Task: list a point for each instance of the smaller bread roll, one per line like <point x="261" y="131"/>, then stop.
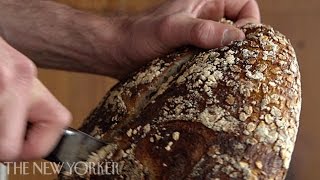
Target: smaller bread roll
<point x="225" y="113"/>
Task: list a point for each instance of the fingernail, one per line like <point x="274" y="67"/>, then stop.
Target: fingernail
<point x="230" y="35"/>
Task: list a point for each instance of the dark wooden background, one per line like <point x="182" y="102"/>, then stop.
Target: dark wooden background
<point x="297" y="19"/>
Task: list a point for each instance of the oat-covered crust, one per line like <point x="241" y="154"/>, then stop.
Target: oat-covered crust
<point x="226" y="113"/>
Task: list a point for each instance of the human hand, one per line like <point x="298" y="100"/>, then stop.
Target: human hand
<point x="23" y="100"/>
<point x="182" y="22"/>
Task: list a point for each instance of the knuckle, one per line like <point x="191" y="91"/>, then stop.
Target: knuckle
<point x="203" y="1"/>
<point x="17" y="68"/>
<point x="165" y="25"/>
<point x="6" y="77"/>
<point x="26" y="68"/>
<point x="201" y="32"/>
<point x="63" y="118"/>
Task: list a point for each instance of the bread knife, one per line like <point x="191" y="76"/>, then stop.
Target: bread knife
<point x="74" y="146"/>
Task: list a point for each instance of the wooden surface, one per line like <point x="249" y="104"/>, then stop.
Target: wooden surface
<point x="295" y="18"/>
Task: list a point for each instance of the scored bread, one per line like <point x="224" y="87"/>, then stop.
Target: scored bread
<point x="226" y="113"/>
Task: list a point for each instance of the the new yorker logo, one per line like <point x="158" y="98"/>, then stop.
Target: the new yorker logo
<point x="50" y="168"/>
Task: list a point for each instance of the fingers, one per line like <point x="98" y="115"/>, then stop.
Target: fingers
<point x="242" y="11"/>
<point x="249" y="14"/>
<point x="48" y="118"/>
<point x="15" y="72"/>
<point x="211" y="10"/>
<point x="12" y="127"/>
<point x="183" y="30"/>
<point x="211" y="34"/>
<point x="23" y="98"/>
<point x="245" y="21"/>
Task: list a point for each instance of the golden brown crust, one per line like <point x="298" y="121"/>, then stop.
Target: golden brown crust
<point x="126" y="99"/>
<point x="227" y="113"/>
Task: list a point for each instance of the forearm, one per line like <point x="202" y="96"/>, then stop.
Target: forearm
<point x="57" y="36"/>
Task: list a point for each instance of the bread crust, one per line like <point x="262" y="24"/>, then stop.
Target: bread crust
<point x="226" y="113"/>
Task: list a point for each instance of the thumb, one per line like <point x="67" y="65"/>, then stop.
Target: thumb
<point x="202" y="33"/>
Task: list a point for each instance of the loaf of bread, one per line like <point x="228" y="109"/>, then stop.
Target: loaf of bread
<point x="226" y="113"/>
